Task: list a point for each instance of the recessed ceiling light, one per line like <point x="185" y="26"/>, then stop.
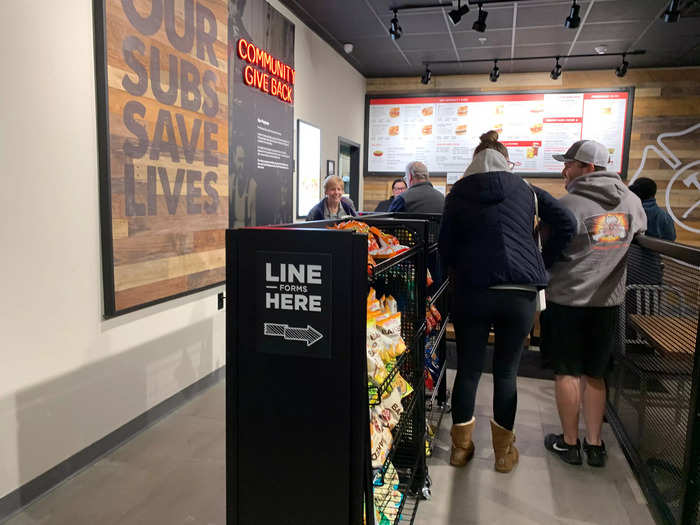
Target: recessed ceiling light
<point x="483" y="40"/>
<point x="601" y="50"/>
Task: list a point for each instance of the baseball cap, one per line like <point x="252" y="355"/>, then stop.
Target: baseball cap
<point x="587" y="151"/>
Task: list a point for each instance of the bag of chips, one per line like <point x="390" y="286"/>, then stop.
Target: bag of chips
<point x="380" y="441"/>
<point x="400" y="384"/>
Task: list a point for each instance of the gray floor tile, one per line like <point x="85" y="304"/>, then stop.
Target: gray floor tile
<point x="174" y="473"/>
<point x="541" y="489"/>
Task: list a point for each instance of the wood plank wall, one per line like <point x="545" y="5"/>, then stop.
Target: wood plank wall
<point x="666" y="100"/>
<point x="169" y="199"/>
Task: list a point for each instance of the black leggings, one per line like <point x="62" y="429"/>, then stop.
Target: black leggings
<point x="511" y="313"/>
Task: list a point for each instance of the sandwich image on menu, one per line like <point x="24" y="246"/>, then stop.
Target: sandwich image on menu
<point x="377" y="153"/>
<point x="427" y="111"/>
<point x="394" y="112"/>
<point x="498" y="128"/>
<point x="462" y="110"/>
<point x="393" y="131"/>
<point x="536" y="128"/>
<point x="461" y="129"/>
<point x="427" y="130"/>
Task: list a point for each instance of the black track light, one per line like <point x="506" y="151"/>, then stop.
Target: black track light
<point x="395" y="29"/>
<point x="495" y="72"/>
<point x="480" y="24"/>
<point x="556" y="72"/>
<point x="457" y="14"/>
<point x="425" y="77"/>
<point x="573" y="20"/>
<point x="672" y="13"/>
<point x="621" y="70"/>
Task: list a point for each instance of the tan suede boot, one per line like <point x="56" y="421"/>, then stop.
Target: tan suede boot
<point x="503" y="448"/>
<point x="462" y="446"/>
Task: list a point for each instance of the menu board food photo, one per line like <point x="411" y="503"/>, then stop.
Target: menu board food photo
<point x="442" y="131"/>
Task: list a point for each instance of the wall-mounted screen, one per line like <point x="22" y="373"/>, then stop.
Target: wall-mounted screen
<point x="442" y="131"/>
<point x="308" y="167"/>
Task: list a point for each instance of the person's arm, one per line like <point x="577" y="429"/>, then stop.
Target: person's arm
<point x="445" y="237"/>
<point x="562" y="225"/>
<point x="349" y="207"/>
<point x="669" y="229"/>
<point x="397" y="204"/>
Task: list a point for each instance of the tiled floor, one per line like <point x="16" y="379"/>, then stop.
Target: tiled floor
<point x="541" y="489"/>
<point x="174" y="473"/>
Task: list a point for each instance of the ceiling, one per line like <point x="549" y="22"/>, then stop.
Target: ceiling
<point x="514" y="29"/>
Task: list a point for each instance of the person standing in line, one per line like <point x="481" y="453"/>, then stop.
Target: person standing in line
<point x="333" y="205"/>
<point x="397" y="188"/>
<point x="486" y="240"/>
<point x="659" y="222"/>
<point x="585" y="291"/>
<point x="420" y="197"/>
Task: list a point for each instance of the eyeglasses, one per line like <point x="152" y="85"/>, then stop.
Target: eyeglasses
<point x="511" y="165"/>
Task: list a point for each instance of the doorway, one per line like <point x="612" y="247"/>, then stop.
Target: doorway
<point x="349" y="168"/>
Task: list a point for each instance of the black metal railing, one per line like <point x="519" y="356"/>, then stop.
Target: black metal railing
<point x="654" y="376"/>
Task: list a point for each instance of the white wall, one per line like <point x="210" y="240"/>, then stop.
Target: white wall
<point x="329" y="93"/>
<point x="67" y="377"/>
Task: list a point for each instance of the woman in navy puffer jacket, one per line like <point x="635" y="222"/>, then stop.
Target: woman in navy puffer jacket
<point x="487" y="243"/>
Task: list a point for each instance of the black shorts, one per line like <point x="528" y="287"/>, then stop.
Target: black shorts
<point x="578" y="340"/>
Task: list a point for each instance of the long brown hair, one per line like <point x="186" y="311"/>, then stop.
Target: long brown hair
<point x="489" y="140"/>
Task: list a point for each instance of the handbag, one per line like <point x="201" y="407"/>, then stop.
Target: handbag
<point x="540" y="300"/>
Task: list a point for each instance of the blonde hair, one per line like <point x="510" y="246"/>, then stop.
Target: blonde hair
<point x="332" y="179"/>
<point x="489" y="140"/>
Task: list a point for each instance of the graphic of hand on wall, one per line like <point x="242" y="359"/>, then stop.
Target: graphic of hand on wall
<point x="688" y="174"/>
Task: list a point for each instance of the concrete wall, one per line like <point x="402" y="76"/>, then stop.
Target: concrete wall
<point x="67" y="376"/>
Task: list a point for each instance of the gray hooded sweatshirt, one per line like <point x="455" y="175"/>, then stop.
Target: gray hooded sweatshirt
<point x="592" y="269"/>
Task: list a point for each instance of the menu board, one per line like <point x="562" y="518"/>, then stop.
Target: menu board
<point x="443" y="131"/>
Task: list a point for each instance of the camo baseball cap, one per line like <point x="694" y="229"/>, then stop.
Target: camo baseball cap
<point x="586" y="151"/>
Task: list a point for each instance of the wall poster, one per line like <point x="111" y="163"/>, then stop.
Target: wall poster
<point x="442" y="131"/>
<point x="308" y="167"/>
<point x="174" y="137"/>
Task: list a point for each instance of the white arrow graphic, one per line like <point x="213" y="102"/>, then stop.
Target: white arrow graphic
<point x="292" y="333"/>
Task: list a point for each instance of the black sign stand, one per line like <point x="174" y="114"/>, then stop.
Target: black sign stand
<point x="297" y="430"/>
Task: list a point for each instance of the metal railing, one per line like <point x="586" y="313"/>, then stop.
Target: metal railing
<point x="654" y="377"/>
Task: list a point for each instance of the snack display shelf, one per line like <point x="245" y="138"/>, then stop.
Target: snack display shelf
<point x="393" y="261"/>
<point x="434" y="298"/>
<point x="398" y="434"/>
<point x="334" y="359"/>
<point x="437" y="339"/>
<point x="409" y="505"/>
<point x="434" y="409"/>
<point x="375" y="392"/>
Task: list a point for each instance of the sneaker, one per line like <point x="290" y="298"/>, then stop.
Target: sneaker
<point x="596" y="454"/>
<point x="570" y="454"/>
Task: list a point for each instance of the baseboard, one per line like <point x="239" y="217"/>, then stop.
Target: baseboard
<point x="31" y="490"/>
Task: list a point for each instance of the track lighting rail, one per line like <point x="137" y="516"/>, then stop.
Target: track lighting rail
<point x="545" y="57"/>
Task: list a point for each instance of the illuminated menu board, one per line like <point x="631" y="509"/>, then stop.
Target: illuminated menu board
<point x="443" y="131"/>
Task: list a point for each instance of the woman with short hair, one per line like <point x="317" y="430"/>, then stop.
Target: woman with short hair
<point x="333" y="205"/>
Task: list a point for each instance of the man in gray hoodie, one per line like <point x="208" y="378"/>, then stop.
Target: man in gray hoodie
<point x="585" y="291"/>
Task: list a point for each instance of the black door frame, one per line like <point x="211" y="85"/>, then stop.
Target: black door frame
<point x="354" y="167"/>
